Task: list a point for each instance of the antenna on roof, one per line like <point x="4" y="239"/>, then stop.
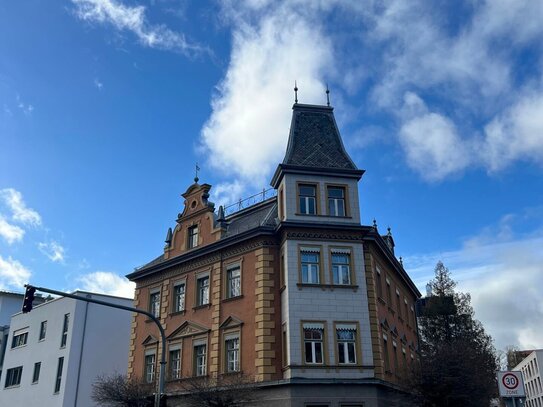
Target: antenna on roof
<point x="196" y="179"/>
<point x="327" y="96"/>
<point x="295" y="92"/>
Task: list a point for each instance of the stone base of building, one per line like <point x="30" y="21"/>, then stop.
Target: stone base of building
<point x="326" y="393"/>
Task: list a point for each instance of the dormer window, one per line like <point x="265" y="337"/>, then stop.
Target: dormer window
<point x="193" y="237"/>
<point x="336" y="201"/>
<point x="307" y="199"/>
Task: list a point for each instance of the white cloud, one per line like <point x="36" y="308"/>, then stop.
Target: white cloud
<point x="516" y="134"/>
<point x="504" y="276"/>
<point x="247" y="132"/>
<point x="13" y="275"/>
<point x="105" y="282"/>
<point x="26" y="108"/>
<point x="431" y="141"/>
<point x="53" y="251"/>
<point x="98" y="84"/>
<point x="13" y="199"/>
<point x="133" y="19"/>
<point x="10" y="233"/>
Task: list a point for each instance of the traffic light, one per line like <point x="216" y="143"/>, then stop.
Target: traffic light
<point x="29" y="298"/>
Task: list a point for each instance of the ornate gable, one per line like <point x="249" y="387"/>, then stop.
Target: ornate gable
<point x="231" y="322"/>
<point x="150" y="340"/>
<point x="188" y="328"/>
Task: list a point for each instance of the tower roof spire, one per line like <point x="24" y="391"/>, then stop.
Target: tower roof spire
<point x="295" y="92"/>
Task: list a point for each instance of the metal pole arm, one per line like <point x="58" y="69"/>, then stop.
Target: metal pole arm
<point x="132" y="309"/>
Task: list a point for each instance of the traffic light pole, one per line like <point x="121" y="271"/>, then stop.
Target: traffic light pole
<point x="139" y="311"/>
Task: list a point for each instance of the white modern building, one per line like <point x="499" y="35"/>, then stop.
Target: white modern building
<point x="531" y="374"/>
<point x="55" y="352"/>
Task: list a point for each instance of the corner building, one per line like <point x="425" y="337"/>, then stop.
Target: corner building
<point x="292" y="292"/>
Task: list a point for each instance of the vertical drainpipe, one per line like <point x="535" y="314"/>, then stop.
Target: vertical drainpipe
<point x="81" y="351"/>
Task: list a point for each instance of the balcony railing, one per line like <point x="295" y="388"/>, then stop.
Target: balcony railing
<point x="250" y="201"/>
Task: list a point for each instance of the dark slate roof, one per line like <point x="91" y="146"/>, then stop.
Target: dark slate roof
<point x="261" y="214"/>
<point x="314" y="139"/>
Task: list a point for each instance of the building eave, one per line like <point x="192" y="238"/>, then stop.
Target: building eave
<point x="283" y="169"/>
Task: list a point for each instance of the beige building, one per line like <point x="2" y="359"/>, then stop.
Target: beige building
<point x="292" y="291"/>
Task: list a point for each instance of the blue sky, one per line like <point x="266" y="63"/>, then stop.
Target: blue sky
<point x="106" y="106"/>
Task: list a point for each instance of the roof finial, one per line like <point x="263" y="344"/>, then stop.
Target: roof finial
<point x="401" y="260"/>
<point x="295" y="92"/>
<point x="389" y="232"/>
<point x="196" y="179"/>
<point x="374" y="223"/>
<point x="327" y="96"/>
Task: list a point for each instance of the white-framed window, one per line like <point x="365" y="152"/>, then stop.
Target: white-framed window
<point x="313" y="342"/>
<point x="378" y="282"/>
<point x="13" y="376"/>
<point x="310" y="260"/>
<point x="19" y="339"/>
<point x="149" y="366"/>
<point x="58" y="378"/>
<point x="231" y="342"/>
<point x="202" y="287"/>
<point x="233" y="281"/>
<point x="200" y="358"/>
<point x="36" y="373"/>
<point x="65" y="325"/>
<point x="336" y="201"/>
<point x="193" y="236"/>
<point x="179" y="297"/>
<point x="307" y="195"/>
<point x="154" y="303"/>
<point x="346" y="343"/>
<point x="341" y="266"/>
<point x="175" y="363"/>
<point x="43" y="330"/>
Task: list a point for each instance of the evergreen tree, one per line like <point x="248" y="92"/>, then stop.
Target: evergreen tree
<point x="458" y="362"/>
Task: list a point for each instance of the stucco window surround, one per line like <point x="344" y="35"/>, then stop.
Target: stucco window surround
<point x="233" y="279"/>
<point x="232" y="351"/>
<point x="342" y="267"/>
<point x="347" y="343"/>
<point x="200" y="356"/>
<point x="337" y="200"/>
<point x="406" y="311"/>
<point x="307" y="198"/>
<point x="314" y="343"/>
<point x="379" y="283"/>
<point x="386" y="356"/>
<point x="149" y="364"/>
<point x="202" y="288"/>
<point x="399" y="304"/>
<point x="179" y="296"/>
<point x="193" y="236"/>
<point x="154" y="301"/>
<point x="310" y="271"/>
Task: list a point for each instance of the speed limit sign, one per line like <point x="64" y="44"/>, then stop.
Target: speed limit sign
<point x="510" y="384"/>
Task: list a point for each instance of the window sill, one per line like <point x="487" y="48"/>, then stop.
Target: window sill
<point x="20" y="346"/>
<point x="12" y="387"/>
<point x="317" y="215"/>
<point x="329" y="286"/>
<point x="198" y="307"/>
<point x="352" y="286"/>
<point x="149" y="320"/>
<point x="181" y="312"/>
<point x="381" y="300"/>
<point x="237" y="297"/>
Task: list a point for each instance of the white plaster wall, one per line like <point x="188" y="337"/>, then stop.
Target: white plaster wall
<point x="532" y="382"/>
<point x="104" y="350"/>
<point x="9" y="305"/>
<point x="325" y="304"/>
<point x="289" y="185"/>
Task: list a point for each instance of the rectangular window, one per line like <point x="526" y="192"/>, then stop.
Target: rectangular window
<point x="395" y="355"/>
<point x="399" y="303"/>
<point x="378" y="282"/>
<point x="346" y="343"/>
<point x="150" y="368"/>
<point x="193" y="237"/>
<point x="65" y="326"/>
<point x="310" y="259"/>
<point x="282" y="270"/>
<point x="232" y="353"/>
<point x="43" y="330"/>
<point x="154" y="303"/>
<point x="284" y="344"/>
<point x="200" y="353"/>
<point x="341" y="267"/>
<point x="19" y="339"/>
<point x="233" y="283"/>
<point x="175" y="364"/>
<point x="36" y="374"/>
<point x="385" y="353"/>
<point x="58" y="380"/>
<point x="13" y="376"/>
<point x="179" y="298"/>
<point x="336" y="201"/>
<point x="203" y="290"/>
<point x="406" y="310"/>
<point x="307" y="199"/>
<point x="313" y="343"/>
<point x="389" y="293"/>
